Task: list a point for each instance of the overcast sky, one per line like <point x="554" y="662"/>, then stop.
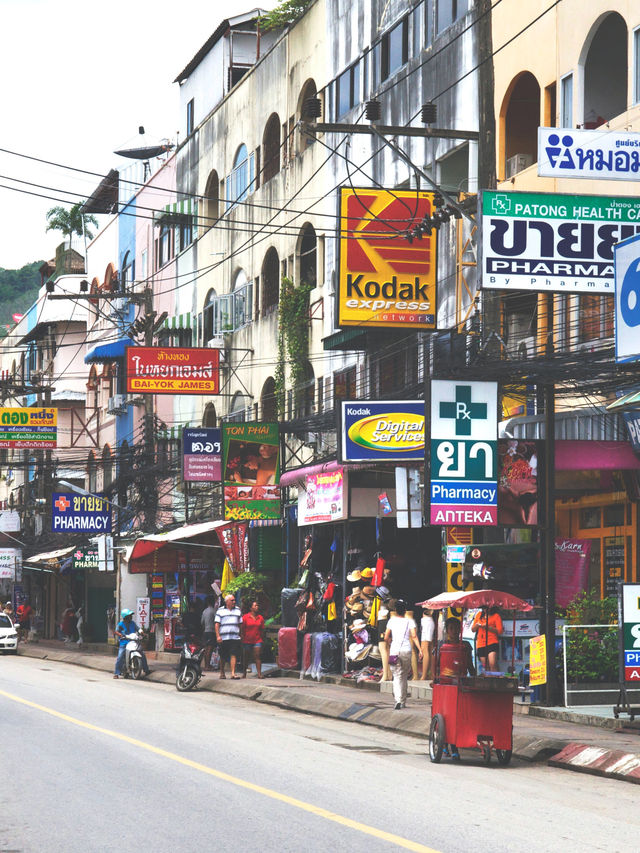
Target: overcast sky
<point x="78" y="78"/>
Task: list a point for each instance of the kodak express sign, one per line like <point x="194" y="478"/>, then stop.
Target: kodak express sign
<point x="385" y="281"/>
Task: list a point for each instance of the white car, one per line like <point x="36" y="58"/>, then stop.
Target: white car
<point x="8" y="635"/>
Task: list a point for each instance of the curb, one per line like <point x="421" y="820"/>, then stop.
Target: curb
<point x="369" y="713"/>
<point x="610" y="763"/>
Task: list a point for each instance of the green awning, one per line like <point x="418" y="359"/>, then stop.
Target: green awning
<point x="346" y="339"/>
<point x="178" y="321"/>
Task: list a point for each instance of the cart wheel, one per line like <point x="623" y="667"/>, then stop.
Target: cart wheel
<point x="486" y="753"/>
<point x="503" y="756"/>
<point x="436" y="738"/>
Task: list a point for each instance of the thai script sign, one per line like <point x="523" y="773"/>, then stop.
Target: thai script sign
<point x="627" y="313"/>
<point x="172" y="370"/>
<point x="385" y="280"/>
<point x="464" y="433"/>
<point x="629" y="612"/>
<point x="538" y="660"/>
<point x="251" y="470"/>
<point x="86" y="513"/>
<point x="544" y="241"/>
<point x="201" y="455"/>
<point x="323" y="498"/>
<point x="604" y="154"/>
<point x="85" y="557"/>
<point x="386" y="431"/>
<point x="28" y="427"/>
<point x="10" y="563"/>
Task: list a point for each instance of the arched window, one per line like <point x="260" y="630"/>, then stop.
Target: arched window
<point x="307" y="256"/>
<point x="519" y="121"/>
<point x="212" y="199"/>
<point x="240" y="181"/>
<point x="268" y="401"/>
<point x="271" y="148"/>
<point x="92" y="473"/>
<point x="128" y="269"/>
<point x="309" y="90"/>
<point x="605" y="71"/>
<point x="238" y="410"/>
<point x="209" y="418"/>
<point x="93" y="387"/>
<point x="107" y="468"/>
<point x="242" y="300"/>
<point x="209" y="316"/>
<point x="270" y="282"/>
<point x="305" y="393"/>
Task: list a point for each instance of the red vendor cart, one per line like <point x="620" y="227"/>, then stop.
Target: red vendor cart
<point x="471" y="711"/>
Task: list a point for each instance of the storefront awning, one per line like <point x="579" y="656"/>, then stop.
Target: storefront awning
<point x="48" y="557"/>
<point x="106" y="353"/>
<point x="178" y="321"/>
<point x="155" y="541"/>
<point x="291" y="478"/>
<point x="627" y="401"/>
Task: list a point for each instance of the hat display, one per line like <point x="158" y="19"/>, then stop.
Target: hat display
<point x="358" y="652"/>
<point x="369" y="591"/>
<point x="383" y="613"/>
<point x="358" y="625"/>
<point x="354" y="576"/>
<point x="367" y="572"/>
<point x="355" y="606"/>
<point x="382" y="592"/>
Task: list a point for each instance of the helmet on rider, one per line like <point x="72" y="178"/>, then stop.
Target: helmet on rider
<point x="126" y="612"/>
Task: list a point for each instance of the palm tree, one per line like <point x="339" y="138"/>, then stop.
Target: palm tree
<point x="71" y="221"/>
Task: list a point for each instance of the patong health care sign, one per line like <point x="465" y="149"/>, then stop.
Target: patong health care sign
<point x="387" y="431"/>
<point x="172" y="370"/>
<point x="386" y="281"/>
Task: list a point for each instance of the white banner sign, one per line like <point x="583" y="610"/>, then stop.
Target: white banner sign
<point x="9" y="521"/>
<point x="602" y="154"/>
<point x="143" y="612"/>
<point x="627" y="316"/>
<point x="10" y="563"/>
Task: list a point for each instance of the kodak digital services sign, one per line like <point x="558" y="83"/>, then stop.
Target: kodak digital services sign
<point x="385" y="280"/>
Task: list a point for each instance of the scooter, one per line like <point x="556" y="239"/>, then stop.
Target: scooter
<point x="133" y="659"/>
<point x="189" y="671"/>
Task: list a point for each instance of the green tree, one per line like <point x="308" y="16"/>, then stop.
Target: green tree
<point x="284" y="13"/>
<point x="592" y="653"/>
<point x="71" y="221"/>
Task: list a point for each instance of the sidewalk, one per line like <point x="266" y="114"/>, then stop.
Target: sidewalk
<point x="584" y="739"/>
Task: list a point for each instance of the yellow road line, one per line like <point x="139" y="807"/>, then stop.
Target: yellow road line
<point x="233" y="780"/>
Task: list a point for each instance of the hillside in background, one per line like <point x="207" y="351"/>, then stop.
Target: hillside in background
<point x="18" y="290"/>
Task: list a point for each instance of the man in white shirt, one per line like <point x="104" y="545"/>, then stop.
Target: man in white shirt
<point x="228" y="623"/>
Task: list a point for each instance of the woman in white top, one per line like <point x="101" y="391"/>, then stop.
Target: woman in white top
<point x="400" y="636"/>
<point x="427" y="634"/>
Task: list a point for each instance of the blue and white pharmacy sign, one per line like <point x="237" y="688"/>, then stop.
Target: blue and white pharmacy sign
<point x="84" y="513"/>
<point x="464" y="449"/>
<point x="627" y="291"/>
<point x="610" y="155"/>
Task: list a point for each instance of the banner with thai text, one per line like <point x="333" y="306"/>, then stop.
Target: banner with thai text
<point x="172" y="370"/>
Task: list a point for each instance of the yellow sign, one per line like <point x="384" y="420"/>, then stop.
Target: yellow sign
<point x="457" y="583"/>
<point x="387" y="279"/>
<point x="28" y="428"/>
<point x="538" y="660"/>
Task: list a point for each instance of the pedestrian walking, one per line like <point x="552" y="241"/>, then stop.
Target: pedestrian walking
<point x="228" y="627"/>
<point x="252" y="638"/>
<point x="68" y="623"/>
<point x="400" y="636"/>
<point x="208" y="623"/>
<point x="80" y="624"/>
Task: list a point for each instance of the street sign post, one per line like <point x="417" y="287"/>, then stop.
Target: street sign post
<point x="629" y="645"/>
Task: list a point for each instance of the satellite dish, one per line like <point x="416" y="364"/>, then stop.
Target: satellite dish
<point x="145" y="153"/>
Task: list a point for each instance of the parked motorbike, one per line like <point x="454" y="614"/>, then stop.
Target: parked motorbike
<point x="133" y="659"/>
<point x="189" y="671"/>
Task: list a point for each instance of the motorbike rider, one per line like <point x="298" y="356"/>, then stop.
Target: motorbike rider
<point x="124" y="627"/>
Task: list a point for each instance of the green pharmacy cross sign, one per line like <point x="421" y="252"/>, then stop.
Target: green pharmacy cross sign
<point x="463" y="410"/>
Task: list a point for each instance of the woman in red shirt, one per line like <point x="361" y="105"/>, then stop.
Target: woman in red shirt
<point x="252" y="637"/>
<point x="488" y="628"/>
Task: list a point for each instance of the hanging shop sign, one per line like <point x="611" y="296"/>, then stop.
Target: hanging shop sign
<point x="571" y="569"/>
<point x="517" y="483"/>
<point x="385" y="281"/>
<point x="143" y="612"/>
<point x="28" y="428"/>
<point x="324" y="498"/>
<point x="627" y="298"/>
<point x="251" y="470"/>
<point x="85" y="513"/>
<point x="553" y="242"/>
<point x="10" y="563"/>
<point x="629" y="620"/>
<point x="387" y="431"/>
<point x="85" y="557"/>
<point x="201" y="455"/>
<point x="9" y="521"/>
<point x="600" y="154"/>
<point x="172" y="370"/>
<point x="538" y="660"/>
<point x="464" y="444"/>
<point x="234" y="539"/>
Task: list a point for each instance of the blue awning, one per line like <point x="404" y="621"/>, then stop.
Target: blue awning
<point x="106" y="353"/>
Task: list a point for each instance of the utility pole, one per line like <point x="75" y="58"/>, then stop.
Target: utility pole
<point x="549" y="572"/>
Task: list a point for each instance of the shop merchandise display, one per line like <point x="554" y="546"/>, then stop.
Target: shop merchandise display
<point x="366" y="613"/>
<point x="288" y="648"/>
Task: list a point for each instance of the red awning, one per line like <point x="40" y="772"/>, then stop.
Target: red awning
<point x="144" y="556"/>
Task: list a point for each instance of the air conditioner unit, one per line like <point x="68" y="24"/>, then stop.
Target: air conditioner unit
<point x="117" y="404"/>
<point x="518" y="163"/>
<point x="521" y="348"/>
